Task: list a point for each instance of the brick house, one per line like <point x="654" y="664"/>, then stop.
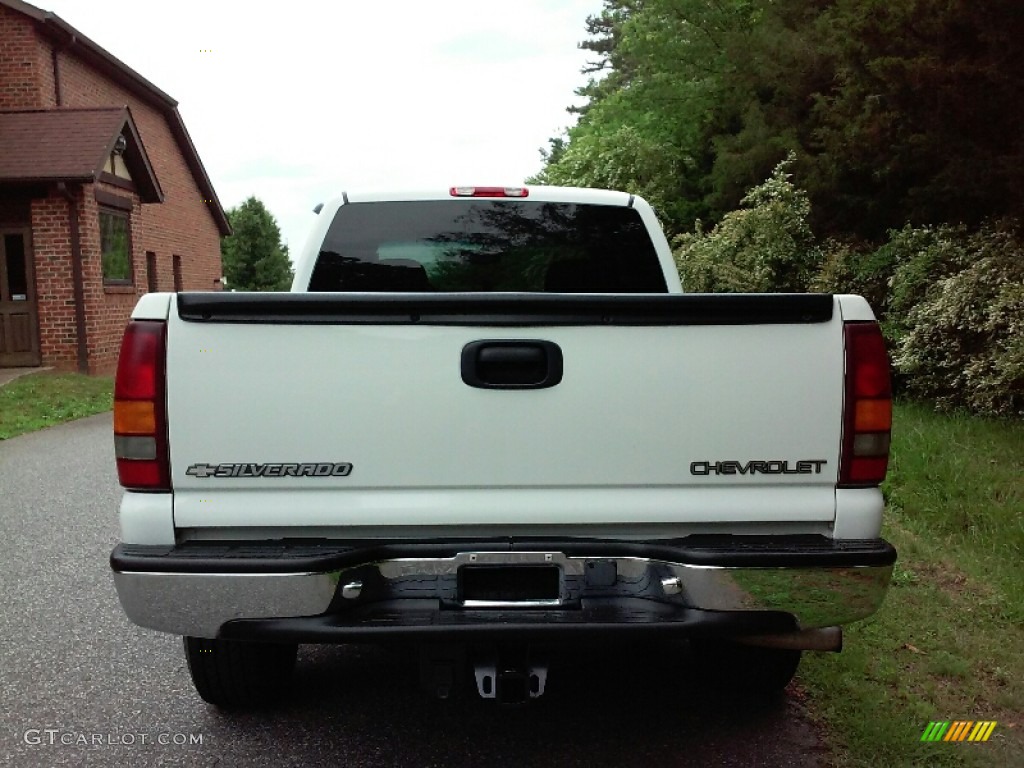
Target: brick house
<point x="102" y="196"/>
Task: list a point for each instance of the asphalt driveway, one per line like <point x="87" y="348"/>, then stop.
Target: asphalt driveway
<point x="80" y="684"/>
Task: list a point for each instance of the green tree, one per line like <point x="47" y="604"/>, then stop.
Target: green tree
<point x="766" y="246"/>
<point x="921" y="122"/>
<point x="254" y="257"/>
<point x="899" y="110"/>
<point x="668" y="89"/>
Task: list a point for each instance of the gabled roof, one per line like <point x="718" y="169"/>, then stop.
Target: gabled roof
<point x="72" y="145"/>
<point x="69" y="38"/>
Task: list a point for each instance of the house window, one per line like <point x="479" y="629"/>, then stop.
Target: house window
<point x="177" y="273"/>
<point x="115" y="246"/>
<point x="151" y="281"/>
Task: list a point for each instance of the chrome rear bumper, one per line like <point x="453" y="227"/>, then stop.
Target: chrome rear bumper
<point x="421" y="594"/>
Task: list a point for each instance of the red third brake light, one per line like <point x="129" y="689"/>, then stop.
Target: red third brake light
<point x="489" y="192"/>
<point x="867" y="411"/>
<point x="140" y="425"/>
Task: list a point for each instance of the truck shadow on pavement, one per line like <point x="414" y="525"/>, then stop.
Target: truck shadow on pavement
<point x="602" y="707"/>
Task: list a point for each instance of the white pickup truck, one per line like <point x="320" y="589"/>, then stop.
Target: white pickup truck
<point x="489" y="423"/>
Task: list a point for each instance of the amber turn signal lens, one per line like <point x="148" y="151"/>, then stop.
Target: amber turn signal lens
<point x="134" y="417"/>
<point x="873" y="416"/>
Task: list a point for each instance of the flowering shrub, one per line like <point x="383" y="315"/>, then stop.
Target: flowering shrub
<point x="765" y="246"/>
<point x="951" y="301"/>
<point x="845" y="269"/>
<point x="963" y="339"/>
<point x="895" y="276"/>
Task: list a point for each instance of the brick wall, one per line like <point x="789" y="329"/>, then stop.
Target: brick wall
<point x="181" y="225"/>
<point x="108" y="306"/>
<point x="51" y="242"/>
<point x="19" y="62"/>
<point x="47" y="82"/>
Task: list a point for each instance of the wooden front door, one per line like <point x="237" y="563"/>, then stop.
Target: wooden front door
<point x="19" y="326"/>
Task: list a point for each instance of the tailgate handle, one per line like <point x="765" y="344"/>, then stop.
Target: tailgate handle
<point x="511" y="364"/>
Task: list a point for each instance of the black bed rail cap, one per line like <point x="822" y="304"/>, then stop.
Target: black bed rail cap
<point x="505" y="309"/>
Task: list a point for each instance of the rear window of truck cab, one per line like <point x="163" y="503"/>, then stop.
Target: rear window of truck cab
<point x="487" y="245"/>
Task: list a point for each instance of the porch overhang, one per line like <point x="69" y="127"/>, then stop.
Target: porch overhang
<point x="42" y="147"/>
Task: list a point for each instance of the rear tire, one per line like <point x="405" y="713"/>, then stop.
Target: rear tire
<point x="745" y="668"/>
<point x="239" y="674"/>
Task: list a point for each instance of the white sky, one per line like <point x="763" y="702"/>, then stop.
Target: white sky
<point x="299" y="100"/>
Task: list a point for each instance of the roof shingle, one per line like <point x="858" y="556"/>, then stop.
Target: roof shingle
<point x="70" y="145"/>
<point x="56" y="145"/>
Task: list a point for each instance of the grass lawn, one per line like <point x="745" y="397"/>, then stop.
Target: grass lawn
<point x="44" y="399"/>
<point x="949" y="642"/>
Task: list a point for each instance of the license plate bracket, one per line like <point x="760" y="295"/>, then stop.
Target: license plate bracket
<point x="505" y="586"/>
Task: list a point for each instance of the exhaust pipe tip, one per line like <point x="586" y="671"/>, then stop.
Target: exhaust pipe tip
<point x="819" y="639"/>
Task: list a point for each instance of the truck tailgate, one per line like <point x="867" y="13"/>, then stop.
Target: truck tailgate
<point x="670" y="410"/>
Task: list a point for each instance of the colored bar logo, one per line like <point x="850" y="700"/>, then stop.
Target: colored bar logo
<point x="959" y="730"/>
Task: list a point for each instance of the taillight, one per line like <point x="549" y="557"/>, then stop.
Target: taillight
<point x="867" y="411"/>
<point x="489" y="192"/>
<point x="140" y="424"/>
